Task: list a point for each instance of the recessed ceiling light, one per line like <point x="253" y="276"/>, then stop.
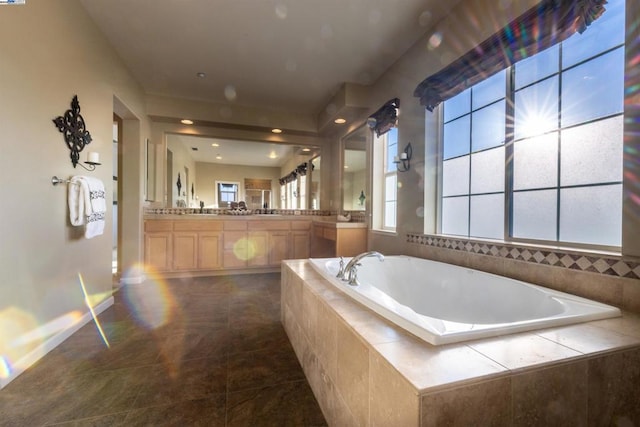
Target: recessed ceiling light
<point x="186" y="122"/>
<point x="306" y="149"/>
<point x="272" y="155"/>
<point x="346" y="166"/>
<point x="215" y="144"/>
<point x="218" y="157"/>
<point x="340" y="121"/>
<point x="276" y="130"/>
<point x="201" y="75"/>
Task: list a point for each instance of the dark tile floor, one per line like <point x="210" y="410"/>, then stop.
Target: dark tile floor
<point x="198" y="352"/>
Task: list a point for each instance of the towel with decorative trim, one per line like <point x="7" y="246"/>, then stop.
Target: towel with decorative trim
<point x="87" y="204"/>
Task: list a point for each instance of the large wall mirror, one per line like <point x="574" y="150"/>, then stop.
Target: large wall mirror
<point x="214" y="172"/>
<point x="354" y="170"/>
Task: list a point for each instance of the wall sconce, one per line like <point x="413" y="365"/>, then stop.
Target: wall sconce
<point x="76" y="135"/>
<point x="403" y="161"/>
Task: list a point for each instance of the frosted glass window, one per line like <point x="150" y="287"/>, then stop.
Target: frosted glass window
<point x="537" y="67"/>
<point x="488" y="126"/>
<point x="535" y="162"/>
<point x="536" y="108"/>
<point x="390" y="214"/>
<point x="534" y="214"/>
<point x="457" y="137"/>
<point x="457" y="106"/>
<point x="591" y="215"/>
<point x="603" y="34"/>
<point x="455" y="215"/>
<point x="489" y="90"/>
<point x="455" y="176"/>
<point x="487" y="216"/>
<point x="390" y="203"/>
<point x="593" y="89"/>
<point x="487" y="171"/>
<point x="592" y="153"/>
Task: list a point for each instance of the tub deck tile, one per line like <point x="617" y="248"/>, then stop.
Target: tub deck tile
<point x="522" y="351"/>
<point x="429" y="367"/>
<point x="589" y="339"/>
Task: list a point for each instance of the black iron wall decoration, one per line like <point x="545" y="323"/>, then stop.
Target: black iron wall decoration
<point x="74" y="129"/>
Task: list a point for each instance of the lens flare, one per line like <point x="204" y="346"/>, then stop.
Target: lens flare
<point x="87" y="301"/>
<point x="151" y="303"/>
<point x="14" y="323"/>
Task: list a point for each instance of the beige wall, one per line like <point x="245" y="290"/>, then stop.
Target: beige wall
<point x="50" y="52"/>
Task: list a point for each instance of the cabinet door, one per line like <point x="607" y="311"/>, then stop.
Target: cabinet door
<point x="235" y="249"/>
<point x="185" y="251"/>
<point x="278" y="247"/>
<point x="258" y="249"/>
<point x="157" y="250"/>
<point x="210" y="250"/>
<point x="301" y="245"/>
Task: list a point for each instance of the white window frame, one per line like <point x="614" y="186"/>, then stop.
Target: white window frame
<point x="381" y="174"/>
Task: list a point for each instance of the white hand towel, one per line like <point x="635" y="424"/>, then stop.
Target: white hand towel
<point x="87" y="204"/>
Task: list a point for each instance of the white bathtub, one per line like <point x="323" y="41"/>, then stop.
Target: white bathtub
<point x="443" y="303"/>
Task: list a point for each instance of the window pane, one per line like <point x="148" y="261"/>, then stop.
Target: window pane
<point x="487" y="171"/>
<point x="487" y="216"/>
<point x="457" y="137"/>
<point x="534" y="214"/>
<point x="455" y="215"/>
<point x="489" y="90"/>
<point x="392" y="148"/>
<point x="535" y="162"/>
<point x="390" y="185"/>
<point x="537" y="67"/>
<point x="488" y="127"/>
<point x="536" y="108"/>
<point x="591" y="215"/>
<point x="606" y="32"/>
<point x="390" y="214"/>
<point x="593" y="89"/>
<point x="457" y="106"/>
<point x="592" y="153"/>
<point x="455" y="176"/>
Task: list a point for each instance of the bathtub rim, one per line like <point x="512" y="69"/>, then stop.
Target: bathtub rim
<point x="456" y="334"/>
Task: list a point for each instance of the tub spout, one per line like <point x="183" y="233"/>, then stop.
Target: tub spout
<point x="351" y="271"/>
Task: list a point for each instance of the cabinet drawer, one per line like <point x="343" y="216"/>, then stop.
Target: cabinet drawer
<point x="268" y="225"/>
<point x="300" y="225"/>
<point x="201" y="225"/>
<point x="158" y="225"/>
<point x="235" y="225"/>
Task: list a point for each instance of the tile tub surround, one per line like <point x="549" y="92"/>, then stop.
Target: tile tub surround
<point x="366" y="371"/>
<point x="606" y="278"/>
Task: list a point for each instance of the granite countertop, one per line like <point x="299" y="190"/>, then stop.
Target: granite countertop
<point x="326" y="221"/>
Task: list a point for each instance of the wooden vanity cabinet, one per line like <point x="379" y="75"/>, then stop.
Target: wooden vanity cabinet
<point x="200" y="246"/>
<point x="158" y="250"/>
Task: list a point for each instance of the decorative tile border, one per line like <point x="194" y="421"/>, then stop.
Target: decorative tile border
<point x="593" y="263"/>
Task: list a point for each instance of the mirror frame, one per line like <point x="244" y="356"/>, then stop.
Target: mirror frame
<point x="343" y="147"/>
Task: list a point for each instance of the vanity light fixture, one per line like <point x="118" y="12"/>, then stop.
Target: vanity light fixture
<point x="403" y="160"/>
<point x="186" y="122"/>
<point x="340" y="121"/>
<point x="276" y="130"/>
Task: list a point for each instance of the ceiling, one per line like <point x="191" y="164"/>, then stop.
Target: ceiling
<point x="284" y="55"/>
<point x="237" y="152"/>
<point x="290" y="55"/>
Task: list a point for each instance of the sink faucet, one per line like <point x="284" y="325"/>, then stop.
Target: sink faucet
<point x="350" y="270"/>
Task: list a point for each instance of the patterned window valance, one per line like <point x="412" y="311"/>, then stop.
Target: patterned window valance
<point x="301" y="170"/>
<point x="542" y="26"/>
<point x="385" y="118"/>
